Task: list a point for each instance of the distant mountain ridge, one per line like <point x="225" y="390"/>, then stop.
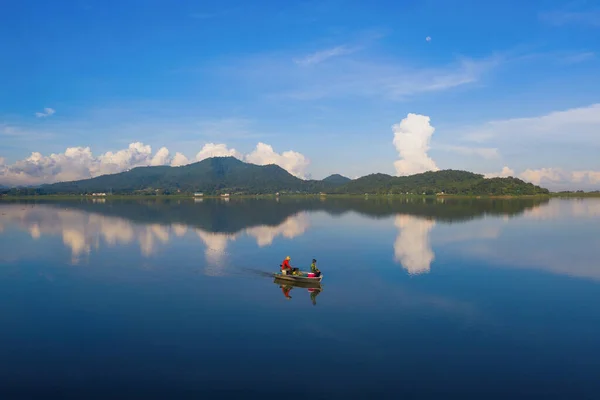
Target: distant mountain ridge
<point x="337" y="179"/>
<point x="441" y="182"/>
<point x="220" y="175"/>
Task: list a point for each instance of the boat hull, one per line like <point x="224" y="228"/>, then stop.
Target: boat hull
<point x="299" y="278"/>
<point x="299" y="284"/>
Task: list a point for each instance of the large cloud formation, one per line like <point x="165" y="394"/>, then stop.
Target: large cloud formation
<point x="411" y="138"/>
<point x="79" y="162"/>
<point x="294" y="162"/>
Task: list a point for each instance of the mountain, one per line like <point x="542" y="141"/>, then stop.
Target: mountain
<point x="219" y="175"/>
<point x="445" y="181"/>
<point x="211" y="176"/>
<point x="336" y="180"/>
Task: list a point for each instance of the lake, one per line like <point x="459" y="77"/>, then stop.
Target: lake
<point x="421" y="299"/>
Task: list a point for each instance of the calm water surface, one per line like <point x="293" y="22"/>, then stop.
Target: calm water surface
<point x="433" y="299"/>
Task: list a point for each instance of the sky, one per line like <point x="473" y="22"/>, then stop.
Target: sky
<point x="506" y="88"/>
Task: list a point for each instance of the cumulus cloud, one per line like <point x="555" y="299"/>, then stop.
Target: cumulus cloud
<point x="79" y="162"/>
<point x="505" y="173"/>
<point x="179" y="160"/>
<point x="536" y="176"/>
<point x="589" y="176"/>
<point x="216" y="150"/>
<point x="47" y="112"/>
<point x="558" y="176"/>
<point x="161" y="157"/>
<point x="411" y="139"/>
<point x="295" y="163"/>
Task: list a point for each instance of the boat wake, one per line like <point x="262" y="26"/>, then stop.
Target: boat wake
<point x="258" y="272"/>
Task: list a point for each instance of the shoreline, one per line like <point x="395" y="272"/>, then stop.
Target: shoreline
<point x="293" y="196"/>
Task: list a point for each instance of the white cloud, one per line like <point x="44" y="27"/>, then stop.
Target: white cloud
<point x="295" y="163"/>
<point x="179" y="160"/>
<point x="428" y="39"/>
<point x="505" y="173"/>
<point x="161" y="157"/>
<point x="79" y="162"/>
<point x="543" y="174"/>
<point x="411" y="139"/>
<point x="47" y="112"/>
<point x="590" y="176"/>
<point x="216" y="150"/>
<point x="323" y="55"/>
<point x="573" y="125"/>
<point x="559" y="177"/>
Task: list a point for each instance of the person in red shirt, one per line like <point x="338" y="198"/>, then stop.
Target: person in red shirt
<point x="286" y="268"/>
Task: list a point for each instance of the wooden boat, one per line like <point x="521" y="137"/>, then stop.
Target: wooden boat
<point x="304" y="278"/>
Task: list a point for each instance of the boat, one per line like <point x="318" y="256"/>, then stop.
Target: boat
<point x="304" y="278"/>
<point x="311" y="285"/>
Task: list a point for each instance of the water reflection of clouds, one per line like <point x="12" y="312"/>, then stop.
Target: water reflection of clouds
<point x="216" y="243"/>
<point x="412" y="248"/>
<point x="82" y="231"/>
<point x="559" y="237"/>
<point x="565" y="208"/>
<point x="529" y="241"/>
<point x="290" y="228"/>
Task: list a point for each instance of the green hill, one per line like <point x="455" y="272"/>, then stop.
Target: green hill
<point x="336" y="179"/>
<point x="445" y="181"/>
<point x="229" y="175"/>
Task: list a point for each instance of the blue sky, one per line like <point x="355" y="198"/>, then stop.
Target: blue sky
<point x="503" y="84"/>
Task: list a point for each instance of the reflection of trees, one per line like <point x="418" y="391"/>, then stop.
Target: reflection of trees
<point x="213" y="215"/>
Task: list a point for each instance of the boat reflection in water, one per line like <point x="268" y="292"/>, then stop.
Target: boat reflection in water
<point x="314" y="288"/>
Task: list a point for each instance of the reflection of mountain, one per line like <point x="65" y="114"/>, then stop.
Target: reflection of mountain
<point x="83" y="224"/>
<point x="81" y="231"/>
<point x="239" y="214"/>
